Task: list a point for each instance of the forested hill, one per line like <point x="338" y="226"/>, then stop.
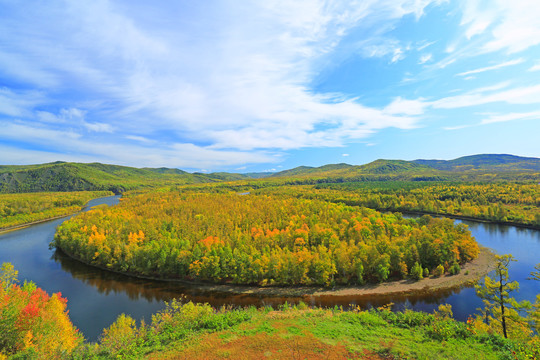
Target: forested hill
<point x="62" y="176"/>
<point x="491" y="162"/>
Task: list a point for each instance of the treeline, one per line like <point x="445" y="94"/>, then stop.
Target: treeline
<point x="501" y="202"/>
<point x="261" y="239"/>
<point x="17" y="209"/>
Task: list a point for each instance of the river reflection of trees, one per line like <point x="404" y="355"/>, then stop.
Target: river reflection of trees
<point x="106" y="282"/>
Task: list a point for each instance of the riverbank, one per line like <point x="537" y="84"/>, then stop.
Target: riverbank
<point x="470" y="273"/>
<point x="22" y="226"/>
<point x="466" y="218"/>
<point x="46" y="208"/>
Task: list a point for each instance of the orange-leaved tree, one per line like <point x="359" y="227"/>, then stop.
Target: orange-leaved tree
<point x="32" y="322"/>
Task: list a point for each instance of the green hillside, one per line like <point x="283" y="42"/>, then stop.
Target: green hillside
<point x="60" y="176"/>
<point x="469" y="168"/>
<point x="492" y="162"/>
<point x="382" y="166"/>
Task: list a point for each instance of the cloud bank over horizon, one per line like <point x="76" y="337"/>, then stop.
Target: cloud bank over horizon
<point x="219" y="85"/>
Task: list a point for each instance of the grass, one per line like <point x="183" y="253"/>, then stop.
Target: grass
<point x="336" y="334"/>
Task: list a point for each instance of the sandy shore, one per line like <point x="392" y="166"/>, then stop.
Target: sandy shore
<point x="470" y="273"/>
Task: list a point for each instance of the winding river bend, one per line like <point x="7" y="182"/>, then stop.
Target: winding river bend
<point x="96" y="297"/>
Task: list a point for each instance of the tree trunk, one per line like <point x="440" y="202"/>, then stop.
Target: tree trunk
<point x="501" y="301"/>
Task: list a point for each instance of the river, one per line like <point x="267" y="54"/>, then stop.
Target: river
<point x="96" y="297"/>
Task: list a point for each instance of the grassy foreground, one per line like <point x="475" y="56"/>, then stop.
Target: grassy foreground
<point x="196" y="331"/>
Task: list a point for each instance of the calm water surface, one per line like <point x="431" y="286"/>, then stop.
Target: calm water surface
<point x="97" y="297"/>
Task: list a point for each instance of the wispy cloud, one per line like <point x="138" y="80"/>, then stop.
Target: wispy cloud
<point x="19" y="103"/>
<point x="98" y="127"/>
<point x="425" y="58"/>
<point x="493" y="67"/>
<point x="424" y="44"/>
<point x="512" y="26"/>
<point x="458" y="127"/>
<point x="138" y="138"/>
<point x="535" y="67"/>
<point x="533" y="115"/>
<point x="517" y="95"/>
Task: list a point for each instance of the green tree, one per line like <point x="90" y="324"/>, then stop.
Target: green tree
<point x="535" y="275"/>
<point x="416" y="272"/>
<point x="439" y="271"/>
<point x="8" y="275"/>
<point x="534" y="313"/>
<point x="495" y="292"/>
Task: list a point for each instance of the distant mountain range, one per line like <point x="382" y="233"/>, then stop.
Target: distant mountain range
<point x="501" y="162"/>
<point x="63" y="176"/>
<point x="484" y="162"/>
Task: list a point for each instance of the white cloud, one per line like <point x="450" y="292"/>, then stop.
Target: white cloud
<point x="397" y="55"/>
<point x="17" y="104"/>
<point x="478" y="15"/>
<point x="512" y="26"/>
<point x="444" y="63"/>
<point x="98" y="127"/>
<point x="139" y="138"/>
<point x="406" y="107"/>
<point x="534" y="115"/>
<point x="425" y="58"/>
<point x="345" y="155"/>
<point x="493" y="67"/>
<point x="36" y="134"/>
<point x="458" y="127"/>
<point x="424" y="44"/>
<point x="380" y="47"/>
<point x="80" y="148"/>
<point x="535" y="67"/>
<point x="518" y="95"/>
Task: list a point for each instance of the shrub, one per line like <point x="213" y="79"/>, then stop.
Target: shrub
<point x="121" y="336"/>
<point x="439" y="271"/>
<point x="416" y="272"/>
<point x="454" y="269"/>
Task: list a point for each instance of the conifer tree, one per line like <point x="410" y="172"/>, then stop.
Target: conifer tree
<point x="534" y="313"/>
<point x="500" y="306"/>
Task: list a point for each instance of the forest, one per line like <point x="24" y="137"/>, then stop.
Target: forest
<point x="503" y="202"/>
<point x="17" y="209"/>
<point x="262" y="239"/>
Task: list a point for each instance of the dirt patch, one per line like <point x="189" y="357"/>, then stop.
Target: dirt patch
<point x="265" y="346"/>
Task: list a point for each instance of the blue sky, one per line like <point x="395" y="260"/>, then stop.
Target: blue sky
<point x="267" y="85"/>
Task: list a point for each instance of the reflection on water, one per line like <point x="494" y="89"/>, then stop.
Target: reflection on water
<point x="136" y="289"/>
<point x="96" y="297"/>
